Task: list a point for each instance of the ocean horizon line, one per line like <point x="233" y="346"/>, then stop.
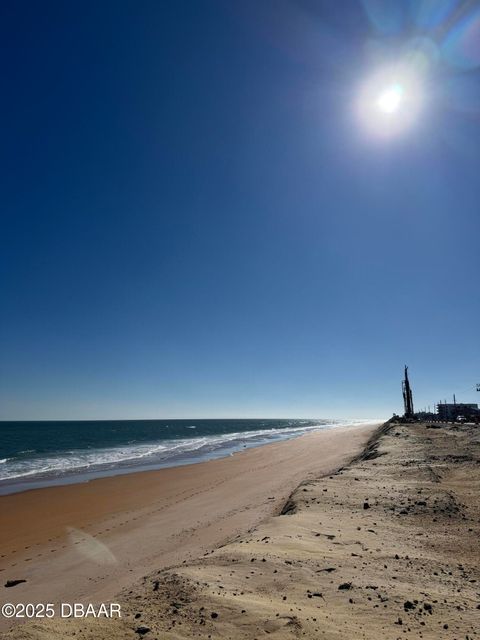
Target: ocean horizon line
<point x="43" y="453"/>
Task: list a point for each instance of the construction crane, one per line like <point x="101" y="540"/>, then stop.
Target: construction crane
<point x="407" y="396"/>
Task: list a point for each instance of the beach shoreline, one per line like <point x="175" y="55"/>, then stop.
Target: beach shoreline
<point x="83" y="542"/>
<point x="239" y="442"/>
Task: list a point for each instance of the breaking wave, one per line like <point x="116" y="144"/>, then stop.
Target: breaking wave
<point x="161" y="453"/>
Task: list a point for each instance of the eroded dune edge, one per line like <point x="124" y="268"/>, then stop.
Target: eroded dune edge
<point x="387" y="547"/>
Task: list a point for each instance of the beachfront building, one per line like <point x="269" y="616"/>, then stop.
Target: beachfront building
<point x="447" y="411"/>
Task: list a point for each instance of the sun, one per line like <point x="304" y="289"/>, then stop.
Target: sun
<point x="390" y="101"/>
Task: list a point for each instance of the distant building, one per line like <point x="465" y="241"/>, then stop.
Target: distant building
<point x="452" y="411"/>
<point x="425" y="415"/>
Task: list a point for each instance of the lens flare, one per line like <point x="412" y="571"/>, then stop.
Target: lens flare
<point x="90" y="548"/>
<point x="461" y="47"/>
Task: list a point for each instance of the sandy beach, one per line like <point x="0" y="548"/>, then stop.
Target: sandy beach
<point x="386" y="546"/>
<point x="86" y="542"/>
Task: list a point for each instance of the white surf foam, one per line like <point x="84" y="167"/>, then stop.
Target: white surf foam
<point x="160" y="452"/>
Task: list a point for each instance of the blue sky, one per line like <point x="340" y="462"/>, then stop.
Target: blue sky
<point x="195" y="224"/>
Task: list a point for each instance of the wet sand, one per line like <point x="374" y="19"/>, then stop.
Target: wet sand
<point x="86" y="542"/>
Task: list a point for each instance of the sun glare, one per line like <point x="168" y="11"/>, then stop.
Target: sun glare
<point x="389" y="101"/>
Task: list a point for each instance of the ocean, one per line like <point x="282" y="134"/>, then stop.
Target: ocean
<point x="38" y="454"/>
